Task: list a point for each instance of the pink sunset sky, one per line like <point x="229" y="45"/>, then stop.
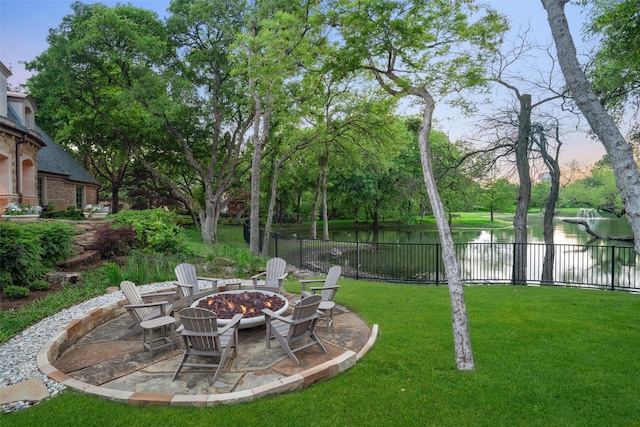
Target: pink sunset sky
<point x="24" y="26"/>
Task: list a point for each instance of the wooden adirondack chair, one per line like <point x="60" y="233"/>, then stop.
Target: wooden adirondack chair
<point x="299" y="326"/>
<point x="140" y="310"/>
<point x="203" y="338"/>
<point x="188" y="285"/>
<point x="274" y="276"/>
<point x="327" y="292"/>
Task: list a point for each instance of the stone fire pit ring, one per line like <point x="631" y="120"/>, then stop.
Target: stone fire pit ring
<point x="248" y="322"/>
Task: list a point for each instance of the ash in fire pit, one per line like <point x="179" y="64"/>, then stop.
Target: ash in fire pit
<point x="248" y="303"/>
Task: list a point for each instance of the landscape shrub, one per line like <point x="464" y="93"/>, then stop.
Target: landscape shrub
<point x="39" y="285"/>
<point x="21" y="253"/>
<point x="56" y="239"/>
<point x="70" y="213"/>
<point x="111" y="242"/>
<point x="112" y="272"/>
<point x="156" y="230"/>
<point x="15" y="292"/>
<point x="5" y="280"/>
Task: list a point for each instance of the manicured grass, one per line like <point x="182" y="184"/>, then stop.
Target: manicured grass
<point x="544" y="356"/>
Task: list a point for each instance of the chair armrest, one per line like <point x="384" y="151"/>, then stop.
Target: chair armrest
<point x="255" y="278"/>
<point x="306" y="281"/>
<point x="169" y="296"/>
<point x="235" y="320"/>
<point x="209" y="279"/>
<point x="150" y="304"/>
<point x="322" y="288"/>
<point x="268" y="313"/>
<point x="186" y="291"/>
<point x="157" y="294"/>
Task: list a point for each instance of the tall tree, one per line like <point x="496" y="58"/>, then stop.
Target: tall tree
<point x="619" y="151"/>
<point x="183" y="103"/>
<point x="425" y="50"/>
<point x="277" y="42"/>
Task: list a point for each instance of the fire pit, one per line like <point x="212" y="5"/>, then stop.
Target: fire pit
<point x="249" y="303"/>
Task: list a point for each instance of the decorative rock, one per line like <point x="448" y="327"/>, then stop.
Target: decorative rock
<point x="63" y="278"/>
<point x="31" y="390"/>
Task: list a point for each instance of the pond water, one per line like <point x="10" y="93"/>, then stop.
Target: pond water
<point x="564" y="233"/>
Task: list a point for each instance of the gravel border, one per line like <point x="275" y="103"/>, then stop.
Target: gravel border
<point x="18" y="355"/>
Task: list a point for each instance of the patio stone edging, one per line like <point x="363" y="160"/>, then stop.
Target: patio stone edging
<point x="66" y="337"/>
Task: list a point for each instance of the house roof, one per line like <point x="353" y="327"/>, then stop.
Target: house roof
<point x="14" y="117"/>
<point x="54" y="159"/>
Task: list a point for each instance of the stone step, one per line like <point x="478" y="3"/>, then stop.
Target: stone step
<point x="86" y="257"/>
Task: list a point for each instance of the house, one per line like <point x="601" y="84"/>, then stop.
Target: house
<point x="33" y="168"/>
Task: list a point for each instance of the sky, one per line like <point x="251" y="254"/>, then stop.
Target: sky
<point x="24" y="26"/>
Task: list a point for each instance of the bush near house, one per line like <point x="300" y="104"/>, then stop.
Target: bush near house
<point x="27" y="251"/>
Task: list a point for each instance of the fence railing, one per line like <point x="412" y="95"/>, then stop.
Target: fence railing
<point x="610" y="267"/>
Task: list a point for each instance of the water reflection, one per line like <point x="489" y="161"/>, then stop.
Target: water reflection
<point x="487" y="255"/>
<point x="564" y="233"/>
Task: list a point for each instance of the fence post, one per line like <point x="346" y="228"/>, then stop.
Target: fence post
<point x="513" y="265"/>
<point x="438" y="264"/>
<point x="613" y="267"/>
<point x="275" y="235"/>
<point x="300" y="251"/>
<point x="357" y="259"/>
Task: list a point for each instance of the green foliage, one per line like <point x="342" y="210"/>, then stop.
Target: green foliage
<point x="500" y="196"/>
<point x="111" y="242"/>
<point x="156" y="230"/>
<point x="5" y="279"/>
<point x="21" y="254"/>
<point x="143" y="268"/>
<point x="112" y="272"/>
<point x="544" y="357"/>
<point x="13" y="321"/>
<point x="615" y="69"/>
<point x="39" y="285"/>
<point x="14" y="292"/>
<point x="27" y="250"/>
<point x="70" y="213"/>
<point x="55" y="239"/>
<point x="598" y="191"/>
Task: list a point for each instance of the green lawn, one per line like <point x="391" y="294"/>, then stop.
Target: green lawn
<point x="544" y="356"/>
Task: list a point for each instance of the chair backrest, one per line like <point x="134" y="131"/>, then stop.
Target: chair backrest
<point x="303" y="317"/>
<point x="186" y="275"/>
<point x="130" y="291"/>
<point x="330" y="282"/>
<point x="275" y="270"/>
<point x="204" y="325"/>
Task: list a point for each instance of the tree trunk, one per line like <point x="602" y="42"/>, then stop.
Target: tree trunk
<point x="619" y="151"/>
<point x="254" y="216"/>
<point x="314" y="210"/>
<point x="271" y="209"/>
<point x="524" y="195"/>
<point x="115" y="198"/>
<point x="554" y="170"/>
<point x="325" y="215"/>
<point x="461" y="334"/>
<point x="209" y="220"/>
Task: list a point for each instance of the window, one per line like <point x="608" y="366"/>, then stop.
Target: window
<point x="79" y="197"/>
<point x="41" y="196"/>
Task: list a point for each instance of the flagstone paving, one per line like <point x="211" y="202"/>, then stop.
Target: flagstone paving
<point x="94" y="361"/>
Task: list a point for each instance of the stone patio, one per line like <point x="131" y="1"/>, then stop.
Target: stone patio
<point x="87" y="357"/>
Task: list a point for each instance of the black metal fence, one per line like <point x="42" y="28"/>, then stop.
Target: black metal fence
<point x="608" y="267"/>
